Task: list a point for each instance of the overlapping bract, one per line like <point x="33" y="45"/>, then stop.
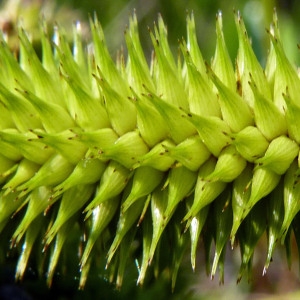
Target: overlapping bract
<point x="157" y="155"/>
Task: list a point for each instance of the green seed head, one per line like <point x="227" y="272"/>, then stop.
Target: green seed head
<point x="144" y="160"/>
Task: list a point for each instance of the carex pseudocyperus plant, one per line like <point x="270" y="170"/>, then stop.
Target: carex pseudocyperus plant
<point x="139" y="159"/>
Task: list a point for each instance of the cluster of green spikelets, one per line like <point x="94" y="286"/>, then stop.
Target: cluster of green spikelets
<point x="136" y="159"/>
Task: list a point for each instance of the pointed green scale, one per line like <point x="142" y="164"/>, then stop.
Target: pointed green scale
<point x="101" y="216"/>
<point x="192" y="44"/>
<point x="121" y="111"/>
<point x="195" y="229"/>
<point x="137" y="68"/>
<point x="270" y="67"/>
<point x="221" y="266"/>
<point x="161" y="34"/>
<point x="82" y="107"/>
<point x="25" y="142"/>
<point x="291" y="196"/>
<point x="138" y="74"/>
<point x="23" y="113"/>
<point x="92" y="70"/>
<point x="156" y="157"/>
<point x="275" y="215"/>
<point x="11" y="68"/>
<point x="292" y="116"/>
<point x="264" y="181"/>
<point x="113" y="181"/>
<point x="202" y="99"/>
<point x="191" y="153"/>
<point x="61" y="237"/>
<point x="68" y="62"/>
<point x="71" y="202"/>
<point x="140" y="188"/>
<point x="222" y="213"/>
<point x="38" y="201"/>
<point x="32" y="234"/>
<point x="52" y="172"/>
<point x="266" y="113"/>
<point x="45" y="86"/>
<point x="49" y="60"/>
<point x="64" y="144"/>
<point x="222" y="63"/>
<point x="286" y="76"/>
<point x="168" y="85"/>
<point x="87" y="171"/>
<point x="47" y="110"/>
<point x="79" y="49"/>
<point x="126" y="150"/>
<point x="159" y="203"/>
<point x="125" y="223"/>
<point x="179" y="127"/>
<point x="249" y="234"/>
<point x="248" y="65"/>
<point x="151" y="132"/>
<point x="231" y="103"/>
<point x="104" y="61"/>
<point x="213" y="131"/>
<point x="180" y="183"/>
<point x="205" y="192"/>
<point x="279" y="155"/>
<point x="147" y="233"/>
<point x="250" y="143"/>
<point x="134" y="35"/>
<point x="241" y="191"/>
<point x="229" y="166"/>
<point x="26" y="169"/>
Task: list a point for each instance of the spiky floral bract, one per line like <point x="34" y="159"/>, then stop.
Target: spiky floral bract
<point x="146" y="160"/>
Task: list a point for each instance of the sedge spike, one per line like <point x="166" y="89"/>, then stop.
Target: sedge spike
<point x="142" y="161"/>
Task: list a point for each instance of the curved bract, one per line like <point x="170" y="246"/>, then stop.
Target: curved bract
<point x="144" y="159"/>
